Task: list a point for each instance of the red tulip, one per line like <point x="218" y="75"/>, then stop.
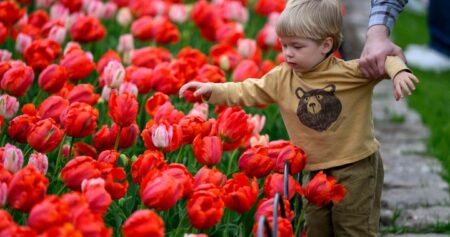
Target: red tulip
<point x="265" y="207"/>
<point x="90" y="224"/>
<point x="5" y="175"/>
<point x="240" y="193"/>
<point x="142" y="28"/>
<point x="51" y="212"/>
<point x="212" y="176"/>
<point x="79" y="119"/>
<point x="203" y="13"/>
<point x="167" y="112"/>
<point x="255" y="162"/>
<point x="123" y="109"/>
<point x="246" y="69"/>
<point x="151" y="159"/>
<point x="45" y="135"/>
<point x="165" y="32"/>
<point x="284" y="227"/>
<point x="103" y="139"/>
<point x="152" y="103"/>
<point x="78" y="169"/>
<point x="161" y="135"/>
<point x="115" y="180"/>
<point x="17" y="80"/>
<point x="191" y="126"/>
<point x="38" y="18"/>
<point x="295" y="156"/>
<point x="229" y="33"/>
<point x="205" y="207"/>
<point x="143" y="223"/>
<point x="52" y="107"/>
<point x="225" y="56"/>
<point x="141" y="76"/>
<point x="19" y="127"/>
<point x="193" y="55"/>
<point x="207" y="150"/>
<point x="211" y="73"/>
<point x="234" y="128"/>
<point x="109" y="156"/>
<point x="78" y="64"/>
<point x="65" y="230"/>
<point x="52" y="78"/>
<point x="150" y="57"/>
<point x="265" y="7"/>
<point x="5" y="220"/>
<point x="96" y="195"/>
<point x="83" y="149"/>
<point x="323" y="189"/>
<point x="83" y="93"/>
<point x="26" y="188"/>
<point x="10" y="12"/>
<point x="179" y="172"/>
<point x="274" y="183"/>
<point x="41" y="53"/>
<point x="160" y="191"/>
<point x="72" y="5"/>
<point x="164" y="80"/>
<point x="87" y="29"/>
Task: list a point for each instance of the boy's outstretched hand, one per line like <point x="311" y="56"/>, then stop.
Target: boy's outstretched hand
<point x="403" y="82"/>
<point x="200" y="89"/>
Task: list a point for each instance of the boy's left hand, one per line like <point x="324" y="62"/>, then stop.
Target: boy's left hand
<point x="403" y="82"/>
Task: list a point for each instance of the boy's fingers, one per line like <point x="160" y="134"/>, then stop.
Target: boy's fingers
<point x="414" y="78"/>
<point x="405" y="88"/>
<point x="410" y="84"/>
<point x="398" y="89"/>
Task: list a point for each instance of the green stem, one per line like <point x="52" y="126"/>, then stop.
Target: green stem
<point x="230" y="161"/>
<point x="71" y="145"/>
<point x="179" y="154"/>
<point x="58" y="157"/>
<point x="118" y="139"/>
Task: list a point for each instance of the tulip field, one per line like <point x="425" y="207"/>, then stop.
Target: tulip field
<point x="95" y="140"/>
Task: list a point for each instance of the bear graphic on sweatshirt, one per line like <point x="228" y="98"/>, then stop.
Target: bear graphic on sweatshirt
<point x="319" y="108"/>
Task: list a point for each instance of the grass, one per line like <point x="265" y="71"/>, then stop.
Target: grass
<point x="431" y="98"/>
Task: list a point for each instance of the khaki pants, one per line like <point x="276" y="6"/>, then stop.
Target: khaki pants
<point x="358" y="214"/>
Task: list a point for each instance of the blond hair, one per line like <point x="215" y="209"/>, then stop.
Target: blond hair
<point x="312" y="19"/>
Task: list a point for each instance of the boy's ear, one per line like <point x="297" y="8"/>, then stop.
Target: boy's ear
<point x="327" y="45"/>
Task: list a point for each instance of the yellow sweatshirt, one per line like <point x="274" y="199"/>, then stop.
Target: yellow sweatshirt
<point x="326" y="111"/>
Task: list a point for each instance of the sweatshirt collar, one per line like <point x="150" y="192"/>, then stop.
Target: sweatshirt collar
<point x="323" y="65"/>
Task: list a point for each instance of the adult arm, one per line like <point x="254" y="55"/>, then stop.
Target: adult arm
<point x="378" y="45"/>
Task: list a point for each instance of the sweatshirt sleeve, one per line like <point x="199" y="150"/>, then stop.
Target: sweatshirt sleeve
<point x="394" y="65"/>
<point x="249" y="92"/>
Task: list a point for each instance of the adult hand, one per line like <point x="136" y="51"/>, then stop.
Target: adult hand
<point x="377" y="47"/>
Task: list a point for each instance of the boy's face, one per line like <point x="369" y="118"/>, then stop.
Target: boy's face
<point x="302" y="54"/>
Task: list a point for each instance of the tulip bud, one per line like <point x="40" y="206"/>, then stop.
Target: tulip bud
<point x="39" y="161"/>
<point x="43" y="3"/>
<point x="246" y="47"/>
<point x="224" y="63"/>
<point x="200" y="110"/>
<point x="106" y="92"/>
<point x="178" y="13"/>
<point x="58" y="12"/>
<point x="258" y="121"/>
<point x="161" y="136"/>
<point x="95" y="9"/>
<point x="259" y="140"/>
<point x="126" y="43"/>
<point x="128" y="87"/>
<point x="65" y="151"/>
<point x="8" y="106"/>
<point x="109" y="10"/>
<point x="58" y="34"/>
<point x="124" y="16"/>
<point x="22" y="42"/>
<point x="113" y="74"/>
<point x="5" y="55"/>
<point x="12" y="158"/>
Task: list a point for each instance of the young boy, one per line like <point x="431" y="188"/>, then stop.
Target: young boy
<point x="326" y="107"/>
